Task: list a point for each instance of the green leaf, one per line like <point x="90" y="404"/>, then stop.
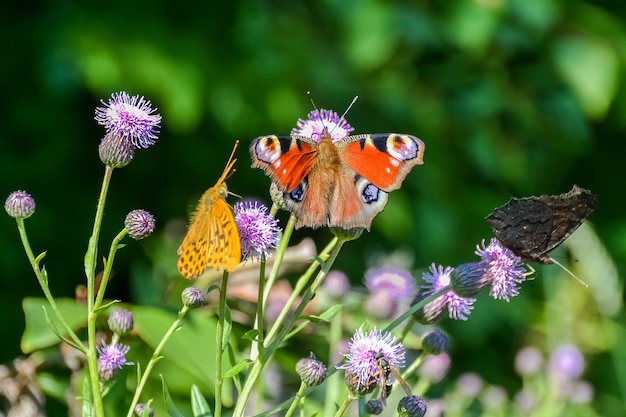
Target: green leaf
<point x="188" y="354"/>
<point x="106" y="306"/>
<point x="87" y="400"/>
<point x="238" y="368"/>
<point x="171" y="407"/>
<point x="38" y="333"/>
<point x="198" y="404"/>
<point x="326" y="316"/>
<point x="251" y="334"/>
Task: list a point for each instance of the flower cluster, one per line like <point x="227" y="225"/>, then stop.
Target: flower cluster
<point x="499" y="268"/>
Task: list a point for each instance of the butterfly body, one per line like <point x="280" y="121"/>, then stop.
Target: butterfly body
<point x="338" y="184"/>
<point x="531" y="227"/>
<point x="212" y="240"/>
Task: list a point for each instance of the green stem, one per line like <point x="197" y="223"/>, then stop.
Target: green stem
<point x="221" y="344"/>
<point x="43" y="283"/>
<point x="297" y="400"/>
<point x="108" y="267"/>
<point x="344" y="406"/>
<point x="272" y="343"/>
<point x="333" y="387"/>
<point x="280" y="253"/>
<point x="155" y="358"/>
<point x="92" y="315"/>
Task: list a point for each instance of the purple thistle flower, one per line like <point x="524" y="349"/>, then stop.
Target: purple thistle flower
<point x="504" y="267"/>
<point x="139" y="224"/>
<point x="398" y="283"/>
<point x="363" y="358"/>
<point x="19" y="205"/>
<point x="438" y="278"/>
<point x="131" y="117"/>
<point x="258" y="230"/>
<point x="110" y="359"/>
<point x="317" y="120"/>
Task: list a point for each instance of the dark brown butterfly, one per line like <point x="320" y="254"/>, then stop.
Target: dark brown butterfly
<point x="531" y="227"/>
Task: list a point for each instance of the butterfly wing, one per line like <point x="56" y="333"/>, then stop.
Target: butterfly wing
<point x="370" y="167"/>
<point x="212" y="240"/>
<point x="285" y="159"/>
<point x="224" y="243"/>
<point x="383" y="159"/>
<point x="533" y="226"/>
<point x="193" y="252"/>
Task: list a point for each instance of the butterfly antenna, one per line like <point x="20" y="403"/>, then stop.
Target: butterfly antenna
<point x="583" y="283"/>
<point x="308" y="93"/>
<point x="349" y="107"/>
<point x="345" y="112"/>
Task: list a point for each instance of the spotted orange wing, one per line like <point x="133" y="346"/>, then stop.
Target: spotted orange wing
<point x="212" y="240"/>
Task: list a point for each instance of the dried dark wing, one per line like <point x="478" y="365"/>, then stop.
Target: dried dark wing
<point x="531" y="227"/>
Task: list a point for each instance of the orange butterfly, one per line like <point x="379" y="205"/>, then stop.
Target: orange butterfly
<point x="338" y="184"/>
<point x="212" y="240"/>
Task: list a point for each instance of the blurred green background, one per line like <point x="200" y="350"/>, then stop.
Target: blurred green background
<point x="511" y="98"/>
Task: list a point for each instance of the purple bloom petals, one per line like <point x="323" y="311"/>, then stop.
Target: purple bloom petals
<point x="131" y="117"/>
<point x="258" y="230"/>
<point x="505" y="269"/>
<point x="317" y="120"/>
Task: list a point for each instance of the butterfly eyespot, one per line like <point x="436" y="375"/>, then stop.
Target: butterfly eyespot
<point x="402" y="148"/>
<point x="298" y="193"/>
<point x="268" y="150"/>
<point x="370" y="194"/>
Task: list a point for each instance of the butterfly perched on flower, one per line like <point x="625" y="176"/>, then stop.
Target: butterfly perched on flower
<point x="328" y="178"/>
<point x="212" y="240"/>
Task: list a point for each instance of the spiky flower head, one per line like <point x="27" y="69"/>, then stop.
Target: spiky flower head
<point x="193" y="297"/>
<point x="317" y="120"/>
<point x="131" y="117"/>
<point x="115" y="150"/>
<point x="121" y="322"/>
<point x="139" y="224"/>
<point x="366" y="349"/>
<point x="374" y="407"/>
<point x="469" y="279"/>
<point x="434" y="342"/>
<point x="258" y="231"/>
<point x="505" y="269"/>
<point x="311" y="370"/>
<point x="110" y="359"/>
<point x="412" y="406"/>
<point x="19" y="205"/>
<point x="432" y="311"/>
<point x="437" y="279"/>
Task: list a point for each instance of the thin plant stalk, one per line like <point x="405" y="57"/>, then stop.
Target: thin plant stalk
<point x="156" y="357"/>
<point x="221" y="344"/>
<point x="92" y="315"/>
